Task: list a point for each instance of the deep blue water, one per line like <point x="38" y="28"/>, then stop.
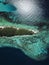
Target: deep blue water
<point x="12" y="56"/>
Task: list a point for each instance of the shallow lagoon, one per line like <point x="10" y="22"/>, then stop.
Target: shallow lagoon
<point x="35" y="45"/>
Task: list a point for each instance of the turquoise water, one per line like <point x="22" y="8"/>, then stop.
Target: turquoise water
<point x="35" y="46"/>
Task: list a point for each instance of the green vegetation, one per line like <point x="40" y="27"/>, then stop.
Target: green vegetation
<point x="23" y="32"/>
<point x="10" y="31"/>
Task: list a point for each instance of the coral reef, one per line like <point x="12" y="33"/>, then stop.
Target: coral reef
<point x="35" y="45"/>
<point x="32" y="39"/>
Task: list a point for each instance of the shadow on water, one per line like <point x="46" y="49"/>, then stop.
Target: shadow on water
<point x="13" y="56"/>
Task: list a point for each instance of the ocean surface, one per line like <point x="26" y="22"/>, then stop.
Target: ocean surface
<point x="12" y="56"/>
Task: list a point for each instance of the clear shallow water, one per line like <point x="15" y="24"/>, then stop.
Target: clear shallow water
<point x="23" y="59"/>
